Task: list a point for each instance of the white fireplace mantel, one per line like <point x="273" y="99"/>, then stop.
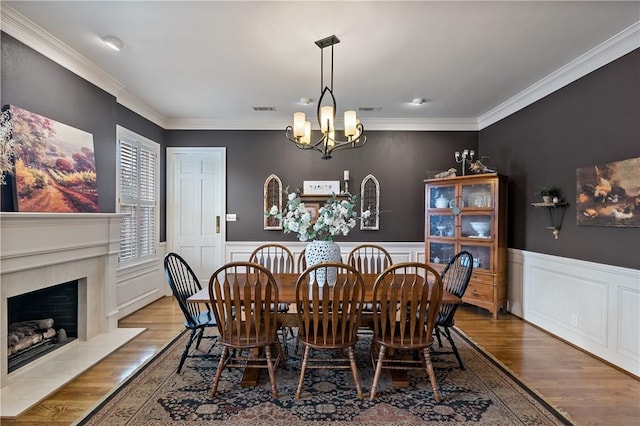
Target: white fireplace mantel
<point x="40" y="250"/>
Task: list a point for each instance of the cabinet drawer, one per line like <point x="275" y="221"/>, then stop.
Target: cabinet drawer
<point x="477" y="291"/>
<point x="478" y="277"/>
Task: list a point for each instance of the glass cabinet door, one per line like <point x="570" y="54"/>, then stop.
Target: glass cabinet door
<point x="476" y="226"/>
<point x="441" y="197"/>
<point x="481" y="255"/>
<point x="441" y="252"/>
<point x="441" y="225"/>
<point x="477" y="196"/>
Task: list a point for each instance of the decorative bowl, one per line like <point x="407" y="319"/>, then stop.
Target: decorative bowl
<point x="482" y="228"/>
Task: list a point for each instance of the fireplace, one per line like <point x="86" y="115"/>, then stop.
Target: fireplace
<point x="39" y="251"/>
<point x="41" y="321"/>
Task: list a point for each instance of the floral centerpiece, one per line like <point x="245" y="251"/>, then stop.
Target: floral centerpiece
<point x="335" y="217"/>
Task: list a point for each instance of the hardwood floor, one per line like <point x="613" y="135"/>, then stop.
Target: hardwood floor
<point x="590" y="391"/>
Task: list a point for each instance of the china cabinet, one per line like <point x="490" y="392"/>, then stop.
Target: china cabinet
<point x="469" y="213"/>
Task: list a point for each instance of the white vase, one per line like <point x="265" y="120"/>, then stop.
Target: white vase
<point x="322" y="252"/>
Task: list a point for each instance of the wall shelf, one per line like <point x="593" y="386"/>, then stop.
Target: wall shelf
<point x="554" y="213"/>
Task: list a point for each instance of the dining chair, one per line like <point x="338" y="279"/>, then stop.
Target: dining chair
<point x="251" y="289"/>
<point x="406" y="302"/>
<point x="369" y="258"/>
<point x="198" y="317"/>
<point x="277" y="259"/>
<point x="302" y="261"/>
<point x="455" y="279"/>
<point x="328" y="318"/>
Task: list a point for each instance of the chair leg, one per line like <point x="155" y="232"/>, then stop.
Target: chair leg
<point x="432" y="374"/>
<point x="186" y="350"/>
<point x="453" y="347"/>
<point x="221" y="365"/>
<point x="354" y="370"/>
<point x="437" y="330"/>
<point x="376" y="377"/>
<point x="303" y="369"/>
<point x="199" y="338"/>
<point x="272" y="372"/>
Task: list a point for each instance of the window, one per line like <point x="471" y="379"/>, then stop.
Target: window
<point x="138" y="189"/>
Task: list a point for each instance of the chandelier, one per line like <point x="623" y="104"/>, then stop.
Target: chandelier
<point x="300" y="132"/>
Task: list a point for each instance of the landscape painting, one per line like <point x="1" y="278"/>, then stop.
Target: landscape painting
<point x="54" y="165"/>
<point x="609" y="194"/>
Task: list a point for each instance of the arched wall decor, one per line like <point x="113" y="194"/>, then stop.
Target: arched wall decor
<point x="272" y="197"/>
<point x="370" y="200"/>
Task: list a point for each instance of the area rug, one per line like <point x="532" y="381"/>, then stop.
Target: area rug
<point x="485" y="393"/>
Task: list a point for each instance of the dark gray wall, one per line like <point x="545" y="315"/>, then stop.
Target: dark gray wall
<point x="399" y="160"/>
<point x="594" y="120"/>
<point x="37" y="84"/>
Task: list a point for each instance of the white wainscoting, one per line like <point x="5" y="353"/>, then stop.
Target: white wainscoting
<point x="400" y="252"/>
<point x="138" y="285"/>
<point x="593" y="306"/>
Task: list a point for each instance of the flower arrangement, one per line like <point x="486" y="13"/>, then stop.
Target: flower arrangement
<point x="336" y="217"/>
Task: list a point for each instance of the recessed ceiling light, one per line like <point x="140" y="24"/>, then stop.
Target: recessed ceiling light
<point x="305" y="101"/>
<point x="113" y="42"/>
<point x="417" y="101"/>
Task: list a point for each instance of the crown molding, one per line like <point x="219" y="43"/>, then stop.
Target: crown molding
<point x="617" y="46"/>
<point x="26" y="31"/>
<point x="406" y="124"/>
<point x="128" y="100"/>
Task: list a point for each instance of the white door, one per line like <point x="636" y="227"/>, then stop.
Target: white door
<point x="196" y="206"/>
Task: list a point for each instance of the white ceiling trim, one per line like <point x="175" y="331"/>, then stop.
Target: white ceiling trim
<point x="127" y="100"/>
<point x="424" y="124"/>
<point x="617" y="46"/>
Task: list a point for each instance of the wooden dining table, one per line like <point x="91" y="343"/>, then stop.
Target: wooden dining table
<point x="287" y="294"/>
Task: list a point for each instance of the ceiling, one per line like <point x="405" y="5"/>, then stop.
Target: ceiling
<point x="207" y="64"/>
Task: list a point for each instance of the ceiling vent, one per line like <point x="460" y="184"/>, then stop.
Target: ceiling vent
<point x="370" y="109"/>
<point x="264" y="108"/>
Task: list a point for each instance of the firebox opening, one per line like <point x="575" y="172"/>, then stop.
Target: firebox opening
<point x="40" y="322"/>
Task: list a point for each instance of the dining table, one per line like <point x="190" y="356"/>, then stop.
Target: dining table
<point x="287" y="294"/>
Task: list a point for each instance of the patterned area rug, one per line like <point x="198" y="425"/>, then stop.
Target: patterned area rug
<point x="486" y="393"/>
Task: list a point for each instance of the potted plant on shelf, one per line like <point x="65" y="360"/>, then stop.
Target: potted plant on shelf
<point x="548" y="193"/>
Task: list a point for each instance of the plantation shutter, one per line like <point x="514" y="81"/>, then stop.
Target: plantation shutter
<point x="138" y="175"/>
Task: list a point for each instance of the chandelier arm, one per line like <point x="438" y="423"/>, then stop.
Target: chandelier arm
<point x="359" y="142"/>
<point x="320" y="105"/>
<point x="298" y="144"/>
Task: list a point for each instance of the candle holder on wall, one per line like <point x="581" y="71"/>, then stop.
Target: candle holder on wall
<point x="346" y="181"/>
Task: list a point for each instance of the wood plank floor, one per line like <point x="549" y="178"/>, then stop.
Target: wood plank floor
<point x="592" y="392"/>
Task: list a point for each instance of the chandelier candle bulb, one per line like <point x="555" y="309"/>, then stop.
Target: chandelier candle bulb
<point x="298" y="124"/>
<point x="346" y="175"/>
<point x="326" y="118"/>
<point x="349" y="123"/>
<point x="306" y="139"/>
